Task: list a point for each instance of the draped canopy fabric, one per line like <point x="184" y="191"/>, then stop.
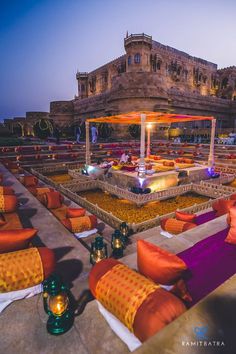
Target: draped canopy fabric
<point x="151" y="117"/>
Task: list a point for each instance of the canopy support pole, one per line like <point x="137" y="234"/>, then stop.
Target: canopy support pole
<point x="141" y="165"/>
<point x="87" y="144"/>
<point x="148" y="152"/>
<point x="211" y="158"/>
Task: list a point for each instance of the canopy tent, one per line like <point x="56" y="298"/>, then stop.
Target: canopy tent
<point x="151" y="117"/>
<point x="143" y="118"/>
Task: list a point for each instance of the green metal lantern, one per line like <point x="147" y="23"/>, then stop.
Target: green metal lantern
<point x="117" y="244"/>
<point x="125" y="232"/>
<point x="56" y="300"/>
<point x="98" y="250"/>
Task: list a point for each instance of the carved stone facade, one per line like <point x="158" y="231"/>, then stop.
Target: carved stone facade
<point x="153" y="76"/>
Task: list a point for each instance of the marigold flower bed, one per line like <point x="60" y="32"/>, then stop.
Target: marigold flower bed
<point x="130" y="212"/>
<point x="60" y="178"/>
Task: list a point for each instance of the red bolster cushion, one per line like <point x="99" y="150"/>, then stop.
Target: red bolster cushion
<point x="14" y="240"/>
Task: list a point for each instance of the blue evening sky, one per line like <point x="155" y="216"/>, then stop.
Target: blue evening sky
<point x="43" y="43"/>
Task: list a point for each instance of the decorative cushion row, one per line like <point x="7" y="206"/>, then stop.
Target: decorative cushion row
<point x="23" y="269"/>
<point x="14" y="240"/>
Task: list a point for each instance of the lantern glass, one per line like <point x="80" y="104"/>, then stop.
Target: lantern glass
<point x="58" y="304"/>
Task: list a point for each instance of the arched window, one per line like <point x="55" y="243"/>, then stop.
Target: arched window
<point x="137" y="58"/>
<point x="129" y="60"/>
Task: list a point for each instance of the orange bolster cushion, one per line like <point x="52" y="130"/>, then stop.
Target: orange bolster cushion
<point x="30" y="181"/>
<point x="8" y="203"/>
<point x="75" y="212"/>
<point x="231" y="237"/>
<point x="23" y="269"/>
<point x="155" y="311"/>
<point x="158" y="264"/>
<point x="14" y="240"/>
<point x="52" y="200"/>
<point x="222" y="206"/>
<point x="80" y="224"/>
<point x="175" y="227"/>
<point x="180" y="215"/>
<point x="6" y="191"/>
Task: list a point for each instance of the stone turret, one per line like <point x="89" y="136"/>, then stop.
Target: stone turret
<point x="138" y="50"/>
<point x="82" y="78"/>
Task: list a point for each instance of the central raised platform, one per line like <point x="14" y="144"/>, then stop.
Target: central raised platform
<point x="161" y="180"/>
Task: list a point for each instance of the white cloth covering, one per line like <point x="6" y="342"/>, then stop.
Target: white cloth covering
<point x="7" y="298"/>
<point x="166" y="234"/>
<point x="85" y="233"/>
<point x="120" y="330"/>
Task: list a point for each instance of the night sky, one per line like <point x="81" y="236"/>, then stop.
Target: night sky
<point x="43" y="43"/>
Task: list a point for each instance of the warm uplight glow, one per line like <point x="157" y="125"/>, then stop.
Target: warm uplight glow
<point x="149" y="126"/>
<point x="58" y="304"/>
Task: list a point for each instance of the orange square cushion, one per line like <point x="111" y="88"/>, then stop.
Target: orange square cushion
<point x="158" y="264"/>
<point x="53" y="200"/>
<point x="180" y="215"/>
<point x="75" y="212"/>
<point x="14" y="240"/>
<point x="231" y="237"/>
<point x="222" y="206"/>
<point x="30" y="181"/>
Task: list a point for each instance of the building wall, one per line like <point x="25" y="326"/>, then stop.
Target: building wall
<point x="153" y="76"/>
